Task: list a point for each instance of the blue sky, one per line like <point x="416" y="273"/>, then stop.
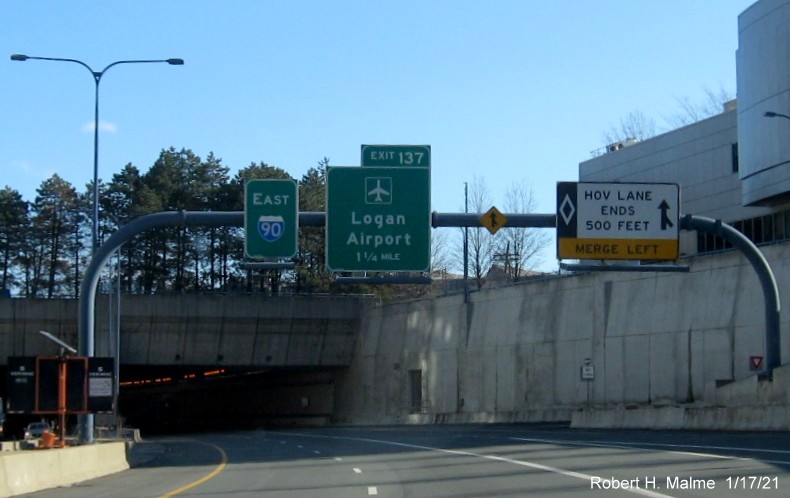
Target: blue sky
<point x="502" y="90"/>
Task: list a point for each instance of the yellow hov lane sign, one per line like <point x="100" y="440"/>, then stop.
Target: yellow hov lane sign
<point x="628" y="221"/>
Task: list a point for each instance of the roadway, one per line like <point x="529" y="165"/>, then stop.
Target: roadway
<point x="451" y="461"/>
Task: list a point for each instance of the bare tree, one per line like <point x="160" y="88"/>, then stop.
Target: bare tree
<point x="480" y="245"/>
<point x="691" y="112"/>
<point x="520" y="246"/>
<point x="636" y="125"/>
<point x="440" y="251"/>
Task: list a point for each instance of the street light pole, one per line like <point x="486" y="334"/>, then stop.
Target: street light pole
<point x="88" y="347"/>
<point x="97" y="75"/>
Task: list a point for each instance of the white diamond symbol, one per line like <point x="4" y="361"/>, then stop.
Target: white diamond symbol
<point x="566" y="209"/>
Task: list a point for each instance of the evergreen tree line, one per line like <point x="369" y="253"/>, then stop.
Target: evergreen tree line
<point x="45" y="244"/>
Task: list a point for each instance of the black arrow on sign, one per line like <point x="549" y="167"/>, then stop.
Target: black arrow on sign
<point x="665" y="221"/>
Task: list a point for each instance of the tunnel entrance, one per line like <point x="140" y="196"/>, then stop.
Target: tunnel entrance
<point x="196" y="399"/>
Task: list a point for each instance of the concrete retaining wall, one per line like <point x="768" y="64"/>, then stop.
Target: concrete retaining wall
<point x="733" y="418"/>
<point x="747" y="404"/>
<point x="196" y="329"/>
<point x="515" y="353"/>
<point x="28" y="471"/>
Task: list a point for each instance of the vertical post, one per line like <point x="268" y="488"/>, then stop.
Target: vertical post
<point x="95" y="220"/>
<point x="466" y="245"/>
<point x="62" y="386"/>
<point x="117" y="356"/>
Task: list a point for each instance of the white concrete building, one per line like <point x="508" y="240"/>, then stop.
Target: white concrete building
<point x="734" y="166"/>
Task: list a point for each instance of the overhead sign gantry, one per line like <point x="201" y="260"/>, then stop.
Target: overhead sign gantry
<point x="562" y="220"/>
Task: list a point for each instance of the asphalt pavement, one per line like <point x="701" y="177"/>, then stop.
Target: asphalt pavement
<point x="548" y="460"/>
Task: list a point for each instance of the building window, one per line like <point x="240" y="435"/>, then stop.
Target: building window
<point x="748" y="229"/>
<point x="760" y="230"/>
<point x="707" y="243"/>
<point x="780" y="226"/>
<point x="734" y="154"/>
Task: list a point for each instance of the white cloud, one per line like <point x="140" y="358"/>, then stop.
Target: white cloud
<point x="103" y="126"/>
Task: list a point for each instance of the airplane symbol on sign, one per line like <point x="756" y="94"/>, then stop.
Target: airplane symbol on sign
<point x="374" y="194"/>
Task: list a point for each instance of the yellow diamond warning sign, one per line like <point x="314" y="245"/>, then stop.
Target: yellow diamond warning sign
<point x="493" y="220"/>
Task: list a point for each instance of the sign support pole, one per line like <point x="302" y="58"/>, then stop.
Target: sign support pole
<point x="773" y="348"/>
<point x="62" y="383"/>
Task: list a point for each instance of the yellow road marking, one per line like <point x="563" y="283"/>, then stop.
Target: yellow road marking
<point x="205" y="478"/>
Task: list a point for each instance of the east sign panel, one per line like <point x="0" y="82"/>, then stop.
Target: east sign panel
<point x="378" y="219"/>
<point x="618" y="221"/>
<point x="271" y="218"/>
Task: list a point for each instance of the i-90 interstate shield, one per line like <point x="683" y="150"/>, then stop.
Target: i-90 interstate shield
<point x="271" y="228"/>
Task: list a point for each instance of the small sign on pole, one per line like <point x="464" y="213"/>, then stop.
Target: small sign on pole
<point x="755" y="363"/>
<point x="587" y="372"/>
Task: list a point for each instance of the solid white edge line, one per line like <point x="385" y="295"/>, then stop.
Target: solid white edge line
<point x="636" y="446"/>
<point x="533" y="465"/>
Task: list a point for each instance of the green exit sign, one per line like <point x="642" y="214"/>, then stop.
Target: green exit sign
<point x="378" y="219"/>
<point x="271" y="218"/>
<point x="397" y="155"/>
